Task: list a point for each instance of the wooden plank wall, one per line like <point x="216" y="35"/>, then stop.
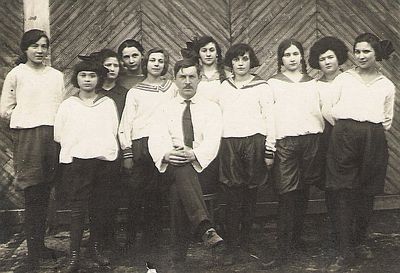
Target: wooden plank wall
<point x="11" y="29"/>
<point x="83" y="26"/>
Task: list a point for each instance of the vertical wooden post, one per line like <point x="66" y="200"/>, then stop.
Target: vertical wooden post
<point x="37" y="15"/>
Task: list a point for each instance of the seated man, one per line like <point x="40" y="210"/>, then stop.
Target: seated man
<point x="184" y="140"/>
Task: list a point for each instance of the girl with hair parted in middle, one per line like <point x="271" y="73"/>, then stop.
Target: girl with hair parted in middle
<point x="298" y="125"/>
<point x="213" y="72"/>
<point x="142" y="102"/>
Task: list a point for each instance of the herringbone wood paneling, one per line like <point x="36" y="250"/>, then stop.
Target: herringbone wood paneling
<point x="171" y="23"/>
<point x="11" y="29"/>
<point x="81" y="27"/>
<point x="264" y="24"/>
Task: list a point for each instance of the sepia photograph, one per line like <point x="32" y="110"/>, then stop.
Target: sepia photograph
<point x="199" y="136"/>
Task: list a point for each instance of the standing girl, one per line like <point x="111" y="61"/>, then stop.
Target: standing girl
<point x="212" y="74"/>
<point x="112" y="89"/>
<point x="358" y="155"/>
<point x="327" y="54"/>
<point x="247" y="145"/>
<point x="142" y="102"/>
<point x="86" y="127"/>
<point x="298" y="124"/>
<point x="31" y="94"/>
<point x="212" y="68"/>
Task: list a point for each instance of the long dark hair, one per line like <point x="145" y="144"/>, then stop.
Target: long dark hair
<point x="29" y="38"/>
<point x="281" y="51"/>
<point x="204" y="40"/>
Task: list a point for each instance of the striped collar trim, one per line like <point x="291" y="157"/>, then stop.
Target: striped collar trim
<point x="257" y="80"/>
<point x="282" y="77"/>
<point x="154" y="88"/>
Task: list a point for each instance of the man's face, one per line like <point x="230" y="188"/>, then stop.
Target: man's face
<point x="187" y="80"/>
<point x="131" y="57"/>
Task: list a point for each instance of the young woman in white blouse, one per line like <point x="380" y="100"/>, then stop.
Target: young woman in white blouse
<point x="31" y="94"/>
<point x="247" y="145"/>
<point x="326" y="55"/>
<point x="298" y="126"/>
<point x="86" y="127"/>
<point x="142" y="101"/>
<point x="358" y="154"/>
<point x="212" y="68"/>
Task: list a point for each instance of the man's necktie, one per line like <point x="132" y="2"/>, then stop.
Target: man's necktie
<point x="187" y="126"/>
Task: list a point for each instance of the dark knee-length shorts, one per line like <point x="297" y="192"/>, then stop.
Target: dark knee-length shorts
<point x="357" y="157"/>
<point x="296" y="164"/>
<point x="241" y="161"/>
<point x="35" y="156"/>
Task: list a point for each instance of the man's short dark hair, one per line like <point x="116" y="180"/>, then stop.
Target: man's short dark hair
<point x="323" y="45"/>
<point x="130" y="43"/>
<point x="239" y="50"/>
<point x="184" y="64"/>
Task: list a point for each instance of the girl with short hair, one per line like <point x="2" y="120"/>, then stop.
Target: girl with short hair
<point x="31" y="94"/>
<point x="86" y="127"/>
<point x="326" y="55"/>
<point x="247" y="145"/>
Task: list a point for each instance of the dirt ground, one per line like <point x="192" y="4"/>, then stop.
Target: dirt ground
<point x="384" y="240"/>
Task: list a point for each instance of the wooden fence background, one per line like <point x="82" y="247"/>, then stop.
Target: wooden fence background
<point x="83" y="26"/>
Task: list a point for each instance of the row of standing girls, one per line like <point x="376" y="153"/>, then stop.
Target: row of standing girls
<point x="280" y="127"/>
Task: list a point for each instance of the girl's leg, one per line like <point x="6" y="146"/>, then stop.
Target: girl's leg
<point x="301" y="205"/>
<point x="152" y="221"/>
<point x="99" y="205"/>
<point x="285" y="223"/>
<point x="345" y="214"/>
<point x="36" y="201"/>
<point x="331" y="206"/>
<point x="78" y="213"/>
<point x="233" y="215"/>
<point x="364" y="210"/>
<point x="80" y="173"/>
<point x="248" y="209"/>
